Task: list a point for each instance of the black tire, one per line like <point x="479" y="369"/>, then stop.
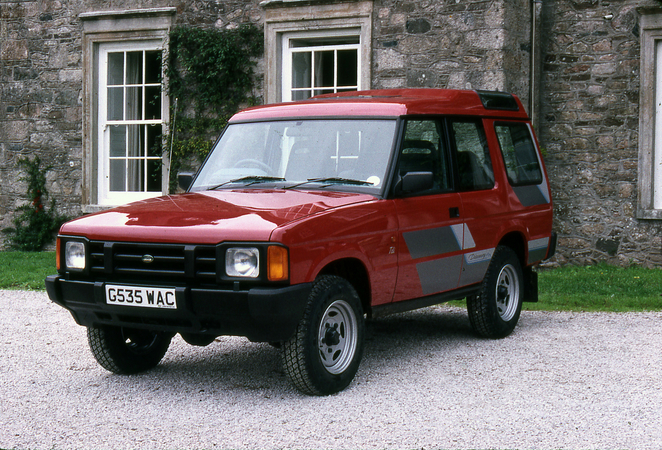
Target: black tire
<point x="494" y="313"/>
<point x="127" y="351"/>
<point x="324" y="354"/>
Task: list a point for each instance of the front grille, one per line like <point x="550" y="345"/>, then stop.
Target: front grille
<point x="171" y="262"/>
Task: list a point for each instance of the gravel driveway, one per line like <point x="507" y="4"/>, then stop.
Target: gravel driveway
<point x="562" y="380"/>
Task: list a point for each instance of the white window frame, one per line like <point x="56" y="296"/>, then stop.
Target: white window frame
<point x="649" y="204"/>
<point x="107" y="197"/>
<point x="323" y="35"/>
<point x="289" y="20"/>
<point x="100" y="28"/>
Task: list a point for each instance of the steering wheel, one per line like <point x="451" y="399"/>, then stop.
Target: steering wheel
<point x="253" y="162"/>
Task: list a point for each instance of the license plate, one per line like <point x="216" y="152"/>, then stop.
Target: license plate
<point x="145" y="297"/>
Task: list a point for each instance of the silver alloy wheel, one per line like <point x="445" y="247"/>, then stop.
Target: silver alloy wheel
<point x="507" y="292"/>
<point x="337" y="337"/>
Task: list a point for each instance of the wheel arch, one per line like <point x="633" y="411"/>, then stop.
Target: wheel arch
<point x="517" y="242"/>
<point x="354" y="271"/>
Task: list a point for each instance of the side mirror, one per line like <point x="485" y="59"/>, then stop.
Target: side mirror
<point x="416" y="182"/>
<point x="185" y="179"/>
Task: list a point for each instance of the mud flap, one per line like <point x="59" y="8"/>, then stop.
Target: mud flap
<point x="530" y="285"/>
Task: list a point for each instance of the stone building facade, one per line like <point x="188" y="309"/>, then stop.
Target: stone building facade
<point x="585" y="69"/>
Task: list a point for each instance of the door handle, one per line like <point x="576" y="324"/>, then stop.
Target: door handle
<point x="454" y="212"/>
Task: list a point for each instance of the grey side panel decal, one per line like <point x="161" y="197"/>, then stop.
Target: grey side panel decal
<point x="430" y="242"/>
<point x="530" y="195"/>
<point x="537" y="249"/>
<point x="475" y="265"/>
<point x="439" y="275"/>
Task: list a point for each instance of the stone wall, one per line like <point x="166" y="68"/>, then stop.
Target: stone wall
<point x="586" y="102"/>
<point x="589" y="130"/>
<point x="41" y="87"/>
<point x="40" y="110"/>
<point x="451" y="44"/>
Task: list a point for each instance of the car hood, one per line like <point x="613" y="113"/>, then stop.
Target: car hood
<point x="208" y="217"/>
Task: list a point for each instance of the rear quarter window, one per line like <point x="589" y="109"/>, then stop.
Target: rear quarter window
<point x="519" y="154"/>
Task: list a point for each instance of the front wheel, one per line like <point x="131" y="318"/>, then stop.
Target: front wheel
<point x="494" y="312"/>
<point x="127" y="351"/>
<point x="325" y="352"/>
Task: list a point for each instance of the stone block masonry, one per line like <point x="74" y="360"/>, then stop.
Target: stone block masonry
<point x="40" y="107"/>
<point x="587" y="91"/>
<point x="589" y="129"/>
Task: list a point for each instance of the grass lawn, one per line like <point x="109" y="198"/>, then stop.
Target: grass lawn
<point x="571" y="288"/>
<point x="25" y="270"/>
<point x="599" y="288"/>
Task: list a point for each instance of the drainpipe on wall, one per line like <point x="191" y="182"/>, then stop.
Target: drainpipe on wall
<point x="533" y="69"/>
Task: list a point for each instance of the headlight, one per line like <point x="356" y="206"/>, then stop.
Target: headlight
<point x="242" y="262"/>
<point x="74" y="255"/>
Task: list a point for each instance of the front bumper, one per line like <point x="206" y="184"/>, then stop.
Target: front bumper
<point x="260" y="314"/>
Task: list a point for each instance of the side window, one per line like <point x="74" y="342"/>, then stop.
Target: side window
<point x="473" y="156"/>
<point x="422" y="151"/>
<point x="519" y="154"/>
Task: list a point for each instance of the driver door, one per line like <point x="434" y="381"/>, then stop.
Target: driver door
<point x="431" y="230"/>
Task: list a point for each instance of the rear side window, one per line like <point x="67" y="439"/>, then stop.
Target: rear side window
<point x="473" y="156"/>
<point x="519" y="154"/>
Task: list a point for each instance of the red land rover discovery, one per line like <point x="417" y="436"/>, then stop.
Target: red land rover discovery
<point x="308" y="217"/>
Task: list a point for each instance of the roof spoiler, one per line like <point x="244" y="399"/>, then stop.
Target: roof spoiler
<point x="498" y="100"/>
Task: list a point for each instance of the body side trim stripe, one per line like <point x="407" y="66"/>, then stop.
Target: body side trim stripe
<point x="530" y="195"/>
<point x="430" y="242"/>
<point x="439" y="275"/>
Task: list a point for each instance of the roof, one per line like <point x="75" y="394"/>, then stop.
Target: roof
<point x="393" y="103"/>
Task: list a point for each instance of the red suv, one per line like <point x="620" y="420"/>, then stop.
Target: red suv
<point x="308" y="217"/>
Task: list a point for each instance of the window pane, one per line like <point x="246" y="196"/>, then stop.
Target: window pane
<point x="136" y="141"/>
<point x="134" y="67"/>
<point x="154" y="140"/>
<point x="326" y="41"/>
<point x="323" y="91"/>
<point x="115" y="103"/>
<point x="154" y="175"/>
<point x="301" y="69"/>
<point x="300" y="95"/>
<point x="117" y="175"/>
<point x="324" y="69"/>
<point x="152" y="102"/>
<point x="153" y="66"/>
<point x="117" y="141"/>
<point x="519" y="154"/>
<point x="473" y="157"/>
<point x="135" y="175"/>
<point x="115" y="68"/>
<point x="134" y="103"/>
<point x="347" y="68"/>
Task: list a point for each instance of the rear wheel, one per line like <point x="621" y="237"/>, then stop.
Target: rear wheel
<point x="126" y="350"/>
<point x="324" y="354"/>
<point x="494" y="313"/>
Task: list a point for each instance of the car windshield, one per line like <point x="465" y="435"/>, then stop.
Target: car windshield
<point x="349" y="154"/>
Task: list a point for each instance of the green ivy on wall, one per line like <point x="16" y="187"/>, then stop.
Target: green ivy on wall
<point x="211" y="74"/>
<point x="35" y="224"/>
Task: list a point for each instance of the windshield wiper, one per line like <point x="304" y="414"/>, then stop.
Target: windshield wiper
<point x="331" y="180"/>
<point x="249" y="180"/>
